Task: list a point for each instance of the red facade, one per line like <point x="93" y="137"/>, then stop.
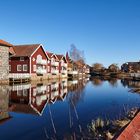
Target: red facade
<point x="29" y="61"/>
<point x="41" y="52"/>
<point x="15" y="61"/>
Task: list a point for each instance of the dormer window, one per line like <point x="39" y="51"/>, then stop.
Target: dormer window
<point x="21" y="58"/>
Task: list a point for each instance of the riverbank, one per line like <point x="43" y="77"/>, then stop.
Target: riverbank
<point x="117" y="129"/>
<point x="119" y="75"/>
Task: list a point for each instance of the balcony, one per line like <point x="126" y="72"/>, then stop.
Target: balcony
<point x="54" y="86"/>
<point x="64" y="71"/>
<point x="41" y="71"/>
<point x="55" y="71"/>
<point x="64" y="65"/>
<point x="41" y="61"/>
<point x="73" y="72"/>
<point x="19" y="75"/>
<point x="40" y="99"/>
<point x="20" y="87"/>
<point x="55" y="64"/>
<point x="54" y="94"/>
<point x="64" y="83"/>
<point x="41" y="89"/>
<point x="72" y="82"/>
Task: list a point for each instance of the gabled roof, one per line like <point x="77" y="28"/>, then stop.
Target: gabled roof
<point x="4" y="43"/>
<point x="60" y="57"/>
<point x="68" y="58"/>
<point x="50" y="55"/>
<point x="25" y="50"/>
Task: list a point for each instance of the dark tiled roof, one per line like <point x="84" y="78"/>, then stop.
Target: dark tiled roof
<point x="59" y="56"/>
<point x="4" y="43"/>
<point x="49" y="54"/>
<point x="25" y="50"/>
<point x="52" y="54"/>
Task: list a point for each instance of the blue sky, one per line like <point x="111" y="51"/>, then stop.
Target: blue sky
<point x="107" y="30"/>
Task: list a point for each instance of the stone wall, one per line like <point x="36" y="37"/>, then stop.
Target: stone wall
<point x="4" y="102"/>
<point x="4" y="64"/>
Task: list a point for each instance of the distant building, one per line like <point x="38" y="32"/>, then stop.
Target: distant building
<point x="131" y="67"/>
<point x="4" y="60"/>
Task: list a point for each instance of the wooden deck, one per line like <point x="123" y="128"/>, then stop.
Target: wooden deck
<point x="132" y="131"/>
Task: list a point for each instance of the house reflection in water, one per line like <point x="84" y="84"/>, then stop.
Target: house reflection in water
<point x="130" y="83"/>
<point x="33" y="98"/>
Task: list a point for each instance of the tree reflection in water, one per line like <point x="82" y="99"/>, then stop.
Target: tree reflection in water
<point x="98" y="81"/>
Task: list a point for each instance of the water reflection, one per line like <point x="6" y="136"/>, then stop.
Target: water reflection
<point x="68" y="103"/>
<point x="98" y="81"/>
<point x="33" y="98"/>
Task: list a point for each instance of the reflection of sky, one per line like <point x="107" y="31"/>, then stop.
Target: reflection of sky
<point x="94" y="101"/>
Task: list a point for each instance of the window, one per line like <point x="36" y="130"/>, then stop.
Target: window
<point x="25" y="68"/>
<point x="21" y="58"/>
<point x="9" y="67"/>
<point x="19" y="67"/>
<point x="34" y="67"/>
<point x="48" y="69"/>
<point x="39" y="57"/>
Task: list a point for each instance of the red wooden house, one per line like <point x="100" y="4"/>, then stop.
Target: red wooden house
<point x="53" y="64"/>
<point x="29" y="61"/>
<point x="62" y="65"/>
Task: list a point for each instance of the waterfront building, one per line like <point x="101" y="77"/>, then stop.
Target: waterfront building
<point x="28" y="62"/>
<point x="5" y="51"/>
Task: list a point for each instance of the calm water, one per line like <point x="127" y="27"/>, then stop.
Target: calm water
<point x="62" y="110"/>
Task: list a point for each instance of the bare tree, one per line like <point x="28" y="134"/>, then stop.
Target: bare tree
<point x="76" y="54"/>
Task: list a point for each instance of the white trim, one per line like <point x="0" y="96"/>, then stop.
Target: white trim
<point x="56" y="56"/>
<point x="37" y="49"/>
<point x="24" y="67"/>
<point x="18" y="69"/>
<point x="30" y="65"/>
<point x="34" y="68"/>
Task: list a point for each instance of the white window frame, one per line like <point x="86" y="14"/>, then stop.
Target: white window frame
<point x="18" y="67"/>
<point x="34" y="68"/>
<point x="22" y="58"/>
<point x="25" y="65"/>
